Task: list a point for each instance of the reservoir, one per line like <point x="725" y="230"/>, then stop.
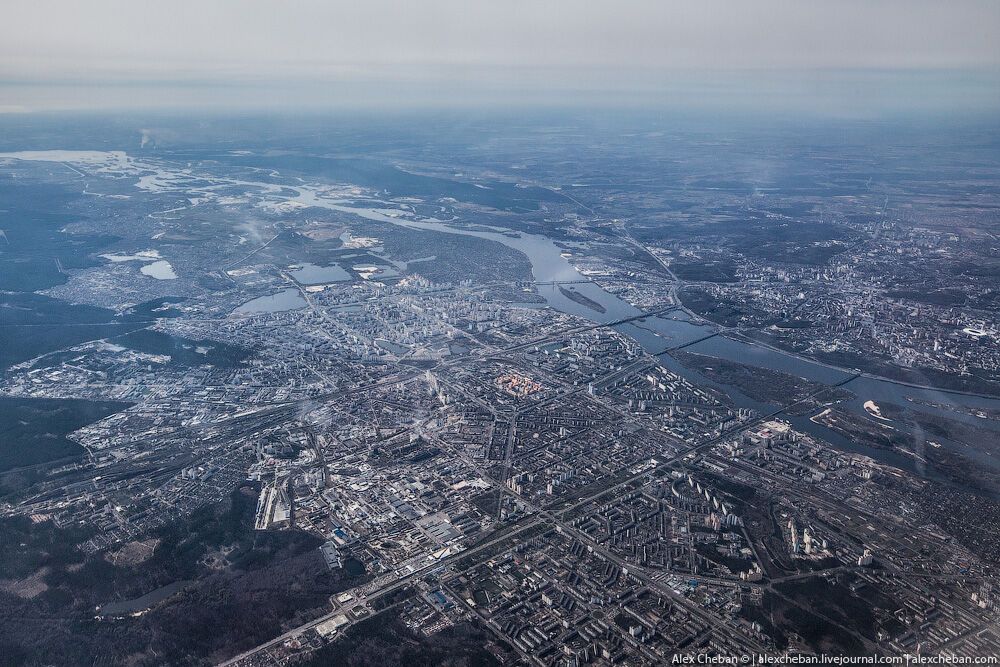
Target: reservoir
<point x="288" y="299"/>
<point x="313" y="274"/>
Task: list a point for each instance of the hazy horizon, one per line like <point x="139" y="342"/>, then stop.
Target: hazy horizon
<point x="834" y="58"/>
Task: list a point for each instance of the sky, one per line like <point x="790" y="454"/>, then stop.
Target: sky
<point x="106" y="53"/>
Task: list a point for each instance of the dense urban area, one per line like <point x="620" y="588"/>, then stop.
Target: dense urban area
<point x="573" y="391"/>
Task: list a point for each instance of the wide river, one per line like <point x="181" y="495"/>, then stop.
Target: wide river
<point x="659" y="333"/>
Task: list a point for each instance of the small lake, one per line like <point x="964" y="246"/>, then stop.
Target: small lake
<point x="161" y="270"/>
<point x="288" y="299"/>
<point x="142" y="603"/>
<point x="314" y="274"/>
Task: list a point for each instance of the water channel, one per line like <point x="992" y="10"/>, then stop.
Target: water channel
<point x="659" y="333"/>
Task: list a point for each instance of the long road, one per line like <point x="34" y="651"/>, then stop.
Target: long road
<point x="526" y="523"/>
<point x="546" y="514"/>
<point x="700" y="447"/>
<point x="551" y="517"/>
<point x="251" y="253"/>
<point x="632" y="569"/>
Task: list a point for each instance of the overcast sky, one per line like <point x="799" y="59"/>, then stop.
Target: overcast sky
<point x="60" y="53"/>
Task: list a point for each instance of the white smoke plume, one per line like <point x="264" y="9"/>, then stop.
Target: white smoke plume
<point x="255" y="230"/>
